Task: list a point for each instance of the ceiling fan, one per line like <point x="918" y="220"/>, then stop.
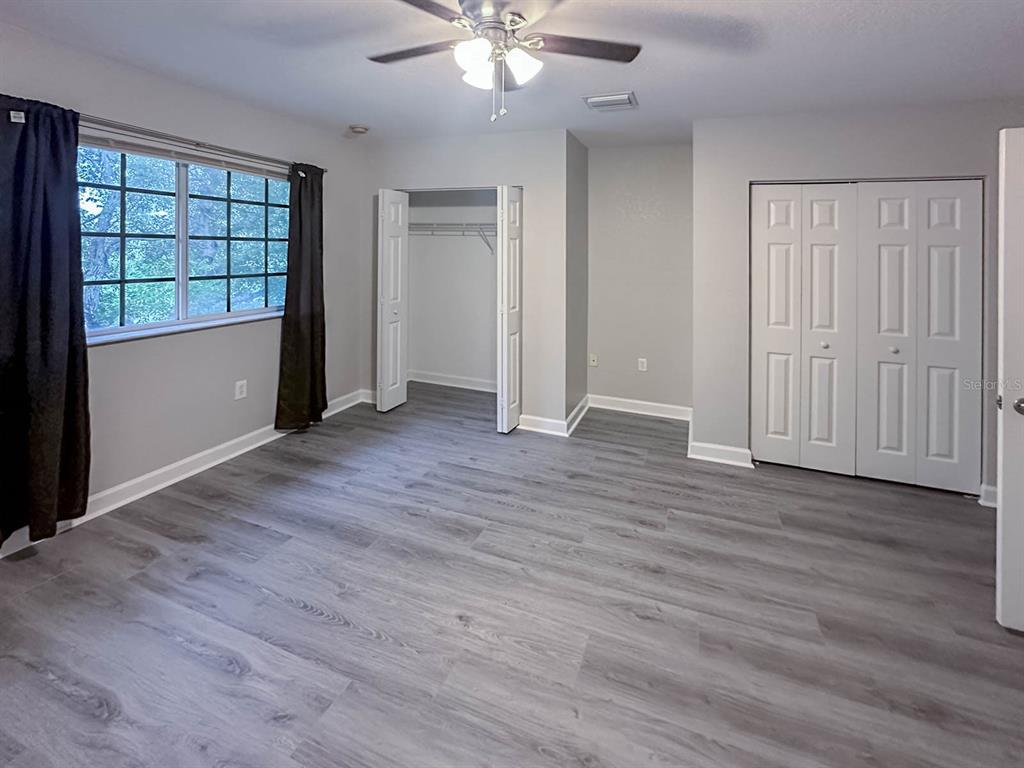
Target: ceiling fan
<point x="497" y="56"/>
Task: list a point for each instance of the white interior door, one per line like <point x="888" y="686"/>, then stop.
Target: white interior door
<point x="510" y="307"/>
<point x="775" y="308"/>
<point x="949" y="294"/>
<point x="828" y="356"/>
<point x="392" y="298"/>
<point x="1010" y="494"/>
<point x="887" y="331"/>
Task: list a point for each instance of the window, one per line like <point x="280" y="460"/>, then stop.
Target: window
<point x="150" y="259"/>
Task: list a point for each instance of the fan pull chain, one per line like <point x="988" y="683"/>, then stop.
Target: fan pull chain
<point x="494" y="94"/>
<point x="503" y="111"/>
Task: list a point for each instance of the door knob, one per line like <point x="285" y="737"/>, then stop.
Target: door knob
<point x="894" y="350"/>
<point x="1018" y="405"/>
<point x="394" y="311"/>
<point x="824" y="345"/>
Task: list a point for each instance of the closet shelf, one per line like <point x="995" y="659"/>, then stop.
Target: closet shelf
<point x="484" y="231"/>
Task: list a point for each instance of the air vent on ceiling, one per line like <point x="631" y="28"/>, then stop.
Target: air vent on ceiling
<point x="606" y="102"/>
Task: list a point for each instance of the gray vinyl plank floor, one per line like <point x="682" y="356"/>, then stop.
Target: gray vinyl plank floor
<point x="413" y="589"/>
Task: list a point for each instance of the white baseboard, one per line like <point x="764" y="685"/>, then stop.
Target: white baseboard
<point x="543" y="425"/>
<point x="339" y="404"/>
<point x="577" y="413"/>
<point x="446" y="380"/>
<point x="987" y="497"/>
<point x="722" y="454"/>
<point x="124" y="493"/>
<point x="642" y="407"/>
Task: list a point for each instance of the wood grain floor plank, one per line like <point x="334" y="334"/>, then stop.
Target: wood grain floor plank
<point x="414" y="589"/>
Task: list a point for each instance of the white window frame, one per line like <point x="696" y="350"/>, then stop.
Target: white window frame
<point x="183" y="152"/>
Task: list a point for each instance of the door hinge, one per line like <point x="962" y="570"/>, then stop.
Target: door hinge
<point x="999" y="402"/>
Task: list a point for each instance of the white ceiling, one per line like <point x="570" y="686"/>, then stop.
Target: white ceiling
<point x="700" y="59"/>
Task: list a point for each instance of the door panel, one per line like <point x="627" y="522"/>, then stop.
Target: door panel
<point x="821" y="427"/>
<point x="775" y="323"/>
<point x="823" y="288"/>
<point x="510" y="311"/>
<point x="941" y="434"/>
<point x="828" y="341"/>
<point x="392" y="300"/>
<point x="779" y="396"/>
<point x="887" y="327"/>
<point x="949" y="347"/>
<point x="893" y="428"/>
<point x="893" y="285"/>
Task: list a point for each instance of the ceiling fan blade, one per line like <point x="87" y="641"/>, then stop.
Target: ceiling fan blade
<point x="436" y="9"/>
<point x="583" y="46"/>
<point x="410" y="53"/>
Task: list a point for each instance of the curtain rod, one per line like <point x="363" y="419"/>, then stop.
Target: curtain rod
<point x="169" y="137"/>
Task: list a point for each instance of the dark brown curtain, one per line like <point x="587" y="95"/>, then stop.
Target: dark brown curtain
<point x="302" y="385"/>
<point x="44" y="399"/>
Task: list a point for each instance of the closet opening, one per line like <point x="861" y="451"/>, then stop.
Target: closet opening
<point x="449" y="285"/>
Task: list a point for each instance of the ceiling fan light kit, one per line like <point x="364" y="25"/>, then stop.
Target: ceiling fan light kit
<point x="481" y="77"/>
<point x="524" y="66"/>
<point x="495" y="46"/>
<point x="473" y="54"/>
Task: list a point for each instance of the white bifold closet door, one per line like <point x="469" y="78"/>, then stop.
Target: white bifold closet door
<point x="510" y="307"/>
<point x="392" y="298"/>
<point x="919" y="418"/>
<point x="828" y="343"/>
<point x="888" y="331"/>
<point x="866" y="329"/>
<point x="775" y="310"/>
<point x="803" y="325"/>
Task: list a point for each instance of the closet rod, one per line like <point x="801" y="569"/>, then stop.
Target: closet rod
<point x="135" y="130"/>
<point x="451" y="229"/>
<point x="456" y="230"/>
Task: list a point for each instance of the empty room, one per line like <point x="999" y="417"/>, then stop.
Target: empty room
<point x="511" y="383"/>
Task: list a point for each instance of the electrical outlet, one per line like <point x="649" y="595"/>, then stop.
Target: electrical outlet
<point x="641" y="363"/>
<point x="593" y="360"/>
<point x="241" y="389"/>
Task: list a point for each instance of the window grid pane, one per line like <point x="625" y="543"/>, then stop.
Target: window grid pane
<point x="129" y="205"/>
<point x="251" y="253"/>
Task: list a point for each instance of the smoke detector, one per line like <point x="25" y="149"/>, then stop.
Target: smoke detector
<point x="358" y="130"/>
<point x="607" y="102"/>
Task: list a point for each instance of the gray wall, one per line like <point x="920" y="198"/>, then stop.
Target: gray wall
<point x="641" y="246"/>
<point x="534" y="160"/>
<point x="576" y="281"/>
<point x="452" y="290"/>
<point x="956" y="140"/>
<point x="157" y="401"/>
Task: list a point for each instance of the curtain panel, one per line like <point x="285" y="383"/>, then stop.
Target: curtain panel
<point x="44" y="398"/>
<point x="302" y="383"/>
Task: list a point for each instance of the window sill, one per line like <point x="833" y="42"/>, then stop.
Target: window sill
<point x="136" y="334"/>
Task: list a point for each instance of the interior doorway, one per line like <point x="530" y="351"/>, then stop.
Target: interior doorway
<point x="449" y="285"/>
